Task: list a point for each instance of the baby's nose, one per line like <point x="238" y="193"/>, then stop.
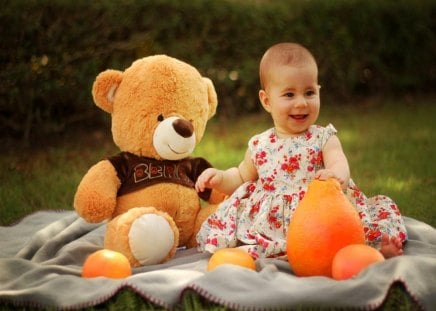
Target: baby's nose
<point x="301" y="102"/>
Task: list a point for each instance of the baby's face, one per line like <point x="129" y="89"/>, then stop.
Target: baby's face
<point x="292" y="98"/>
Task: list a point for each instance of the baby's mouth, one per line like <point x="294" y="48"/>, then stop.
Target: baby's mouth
<point x="299" y="116"/>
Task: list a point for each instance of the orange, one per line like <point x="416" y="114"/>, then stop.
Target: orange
<point x="234" y="256"/>
<point x="352" y="259"/>
<point x="323" y="223"/>
<point x="108" y="263"/>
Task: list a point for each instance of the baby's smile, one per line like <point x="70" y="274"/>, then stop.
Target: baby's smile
<point x="299" y="116"/>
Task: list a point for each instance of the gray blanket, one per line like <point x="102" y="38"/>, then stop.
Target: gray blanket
<point x="41" y="258"/>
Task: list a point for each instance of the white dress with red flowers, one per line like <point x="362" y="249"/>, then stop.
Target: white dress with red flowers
<point x="258" y="213"/>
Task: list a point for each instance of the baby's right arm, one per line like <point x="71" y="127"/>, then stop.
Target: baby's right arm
<point x="209" y="178"/>
<point x="227" y="181"/>
<point x="223" y="181"/>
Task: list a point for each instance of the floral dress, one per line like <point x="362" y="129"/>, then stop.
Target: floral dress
<point x="256" y="216"/>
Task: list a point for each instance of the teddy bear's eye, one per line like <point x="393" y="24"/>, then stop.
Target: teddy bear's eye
<point x="160" y="118"/>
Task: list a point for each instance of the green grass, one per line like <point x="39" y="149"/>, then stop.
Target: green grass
<point x="389" y="145"/>
<point x="46" y="178"/>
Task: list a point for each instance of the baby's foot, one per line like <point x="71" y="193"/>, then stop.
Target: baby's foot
<point x="391" y="247"/>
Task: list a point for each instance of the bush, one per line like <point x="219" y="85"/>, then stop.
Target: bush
<point x="52" y="50"/>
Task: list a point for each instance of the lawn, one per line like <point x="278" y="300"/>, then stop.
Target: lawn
<point x="389" y="144"/>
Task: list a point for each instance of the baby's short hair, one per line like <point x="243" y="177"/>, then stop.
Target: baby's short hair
<point x="282" y="54"/>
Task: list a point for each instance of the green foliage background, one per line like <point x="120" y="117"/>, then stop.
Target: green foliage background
<point x="52" y="50"/>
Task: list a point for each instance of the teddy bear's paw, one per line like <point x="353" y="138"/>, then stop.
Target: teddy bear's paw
<point x="152" y="239"/>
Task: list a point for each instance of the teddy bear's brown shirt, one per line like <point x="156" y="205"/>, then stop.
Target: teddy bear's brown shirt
<point x="137" y="172"/>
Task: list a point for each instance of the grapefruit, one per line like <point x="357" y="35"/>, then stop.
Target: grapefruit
<point x="324" y="222"/>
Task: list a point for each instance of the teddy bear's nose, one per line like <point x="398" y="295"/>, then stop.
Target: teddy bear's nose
<point x="183" y="127"/>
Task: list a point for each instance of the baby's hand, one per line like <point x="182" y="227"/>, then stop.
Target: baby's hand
<point x="210" y="178"/>
<point x="325" y="174"/>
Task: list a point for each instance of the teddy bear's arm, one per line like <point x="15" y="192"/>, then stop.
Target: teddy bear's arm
<point x="216" y="197"/>
<point x="96" y="195"/>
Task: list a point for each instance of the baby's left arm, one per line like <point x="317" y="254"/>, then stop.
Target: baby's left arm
<point x="335" y="162"/>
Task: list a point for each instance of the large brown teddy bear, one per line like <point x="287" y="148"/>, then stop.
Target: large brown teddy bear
<point x="159" y="107"/>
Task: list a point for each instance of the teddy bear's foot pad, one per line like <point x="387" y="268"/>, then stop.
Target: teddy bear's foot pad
<point x="151" y="239"/>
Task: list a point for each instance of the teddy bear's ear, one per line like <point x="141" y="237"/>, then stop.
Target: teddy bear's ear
<point x="104" y="88"/>
<point x="212" y="97"/>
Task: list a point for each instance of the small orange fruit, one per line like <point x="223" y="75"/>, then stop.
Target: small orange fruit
<point x="234" y="256"/>
<point x="324" y="222"/>
<point x="352" y="259"/>
<point x="108" y="263"/>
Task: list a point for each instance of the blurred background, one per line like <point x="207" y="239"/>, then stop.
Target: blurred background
<point x="377" y="71"/>
<point x="52" y="50"/>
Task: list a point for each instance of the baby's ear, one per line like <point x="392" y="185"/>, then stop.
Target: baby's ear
<point x="212" y="97"/>
<point x="105" y="87"/>
<point x="263" y="97"/>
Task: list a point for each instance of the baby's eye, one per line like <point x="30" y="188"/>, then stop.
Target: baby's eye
<point x="310" y="93"/>
<point x="289" y="94"/>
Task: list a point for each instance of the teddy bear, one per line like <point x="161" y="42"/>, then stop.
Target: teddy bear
<point x="159" y="109"/>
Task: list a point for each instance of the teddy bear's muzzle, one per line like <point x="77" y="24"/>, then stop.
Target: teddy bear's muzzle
<point x="174" y="138"/>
